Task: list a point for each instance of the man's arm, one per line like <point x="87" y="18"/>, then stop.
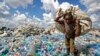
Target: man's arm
<point x="77" y="28"/>
<point x="58" y="20"/>
<point x="60" y="14"/>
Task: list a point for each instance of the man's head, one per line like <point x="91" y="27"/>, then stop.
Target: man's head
<point x="68" y="17"/>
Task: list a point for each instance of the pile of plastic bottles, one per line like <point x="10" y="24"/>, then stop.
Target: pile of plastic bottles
<point x="42" y="45"/>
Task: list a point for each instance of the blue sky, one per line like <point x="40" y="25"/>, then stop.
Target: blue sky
<point x="35" y="7"/>
<point x="12" y="11"/>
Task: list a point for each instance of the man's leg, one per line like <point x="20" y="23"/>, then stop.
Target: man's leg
<point x="76" y="53"/>
<point x="72" y="47"/>
<point x="67" y="44"/>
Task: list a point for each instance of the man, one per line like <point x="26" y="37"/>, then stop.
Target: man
<point x="72" y="29"/>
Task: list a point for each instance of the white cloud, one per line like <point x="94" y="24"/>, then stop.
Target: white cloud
<point x="16" y="19"/>
<point x="92" y="5"/>
<point x="66" y="5"/>
<point x="53" y="5"/>
<point x="7" y="22"/>
<point x="4" y="10"/>
<point x="48" y="19"/>
<point x="20" y="17"/>
<point x="3" y="7"/>
<point x="93" y="9"/>
<point x="36" y="18"/>
<point x="12" y="21"/>
<point x="18" y="3"/>
<point x="50" y="5"/>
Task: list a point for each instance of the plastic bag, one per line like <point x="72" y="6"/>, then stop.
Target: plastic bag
<point x="85" y="21"/>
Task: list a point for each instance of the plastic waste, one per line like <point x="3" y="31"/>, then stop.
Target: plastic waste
<point x="52" y="46"/>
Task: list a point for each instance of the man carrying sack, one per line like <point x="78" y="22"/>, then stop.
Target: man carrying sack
<point x="70" y="26"/>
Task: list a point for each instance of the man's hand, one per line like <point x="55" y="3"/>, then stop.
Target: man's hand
<point x="60" y="13"/>
<point x="59" y="16"/>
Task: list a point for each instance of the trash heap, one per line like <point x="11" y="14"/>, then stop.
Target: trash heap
<point x="42" y="45"/>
